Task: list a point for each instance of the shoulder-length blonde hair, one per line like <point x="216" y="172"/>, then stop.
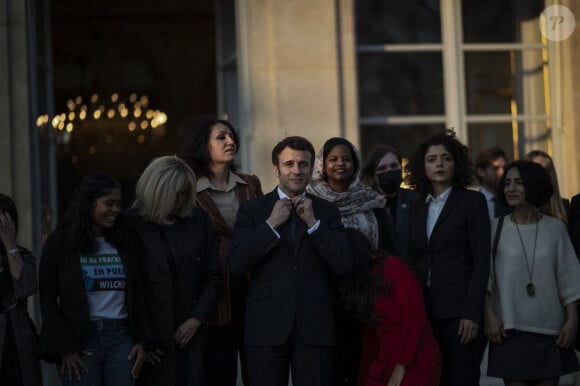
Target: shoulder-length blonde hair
<point x="555" y="206"/>
<point x="159" y="186"/>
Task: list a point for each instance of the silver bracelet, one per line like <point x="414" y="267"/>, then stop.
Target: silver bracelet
<point x="12" y="251"/>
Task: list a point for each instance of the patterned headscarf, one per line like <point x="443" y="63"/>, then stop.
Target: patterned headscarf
<point x="355" y="205"/>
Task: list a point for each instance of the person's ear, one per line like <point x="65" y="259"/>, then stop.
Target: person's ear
<point x="276" y="170"/>
<point x="479" y="171"/>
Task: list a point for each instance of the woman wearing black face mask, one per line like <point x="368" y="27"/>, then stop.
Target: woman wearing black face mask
<point x="383" y="172"/>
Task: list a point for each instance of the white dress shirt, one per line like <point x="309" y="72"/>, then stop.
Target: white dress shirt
<point x="436" y="205"/>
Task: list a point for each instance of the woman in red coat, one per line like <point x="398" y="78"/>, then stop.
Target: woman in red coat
<point x="398" y="345"/>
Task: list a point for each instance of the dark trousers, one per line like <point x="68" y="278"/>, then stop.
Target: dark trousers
<point x="223" y="346"/>
<point x="460" y="362"/>
<point x="270" y="365"/>
<point x="10" y="367"/>
<point x="347" y="352"/>
<point x="190" y="361"/>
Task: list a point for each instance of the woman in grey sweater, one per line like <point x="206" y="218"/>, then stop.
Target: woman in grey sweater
<point x="530" y="313"/>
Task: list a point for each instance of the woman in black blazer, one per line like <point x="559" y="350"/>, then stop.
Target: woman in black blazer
<point x="92" y="316"/>
<point x="179" y="266"/>
<point x="450" y="253"/>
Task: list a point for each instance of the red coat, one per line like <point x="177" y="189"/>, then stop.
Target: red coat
<point x="402" y="333"/>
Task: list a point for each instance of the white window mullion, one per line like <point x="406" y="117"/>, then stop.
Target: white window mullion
<point x="453" y="68"/>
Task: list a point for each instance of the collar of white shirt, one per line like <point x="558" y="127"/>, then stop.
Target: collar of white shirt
<point x="441" y="198"/>
<point x="282" y="195"/>
<point x="489" y="196"/>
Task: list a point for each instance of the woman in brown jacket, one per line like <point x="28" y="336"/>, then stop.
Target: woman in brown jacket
<point x="220" y="190"/>
<point x="19" y="364"/>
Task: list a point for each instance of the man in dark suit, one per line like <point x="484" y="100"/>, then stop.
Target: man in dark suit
<point x="290" y="243"/>
<point x="489" y="166"/>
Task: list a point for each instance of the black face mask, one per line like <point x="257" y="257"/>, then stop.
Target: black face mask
<point x="390" y="181"/>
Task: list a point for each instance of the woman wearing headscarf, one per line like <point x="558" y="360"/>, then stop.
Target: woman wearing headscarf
<point x="336" y="179"/>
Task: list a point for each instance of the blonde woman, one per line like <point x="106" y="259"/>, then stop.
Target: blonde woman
<point x="556" y="206"/>
<point x="179" y="267"/>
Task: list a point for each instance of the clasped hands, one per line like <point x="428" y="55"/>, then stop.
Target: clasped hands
<point x="283" y="209"/>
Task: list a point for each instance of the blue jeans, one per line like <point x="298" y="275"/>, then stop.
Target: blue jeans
<point x="110" y="344"/>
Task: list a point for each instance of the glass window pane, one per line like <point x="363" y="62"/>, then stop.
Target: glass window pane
<point x="226" y="26"/>
<point x="404" y="138"/>
<point x="489" y="82"/>
<point x="505" y="82"/>
<point x="388" y="22"/>
<point x="400" y="84"/>
<point x="489" y="21"/>
<point x="486" y="135"/>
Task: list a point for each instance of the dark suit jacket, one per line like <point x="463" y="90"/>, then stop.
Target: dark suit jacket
<point x="290" y="286"/>
<point x="457" y="254"/>
<point x="172" y="296"/>
<point x="405" y="198"/>
<point x="63" y="298"/>
<point x="574" y="223"/>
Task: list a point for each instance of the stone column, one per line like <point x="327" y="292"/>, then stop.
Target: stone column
<point x="15" y="121"/>
<point x="297" y="76"/>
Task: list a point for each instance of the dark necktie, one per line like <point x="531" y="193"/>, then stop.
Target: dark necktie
<point x="293" y="225"/>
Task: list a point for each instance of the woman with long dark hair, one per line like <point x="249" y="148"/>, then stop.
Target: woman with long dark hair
<point x="220" y="191"/>
<point x="93" y="324"/>
<point x="19" y="364"/>
<point x="450" y="253"/>
<point x="398" y="346"/>
<point x="531" y="312"/>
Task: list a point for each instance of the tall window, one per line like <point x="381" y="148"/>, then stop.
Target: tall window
<point x="479" y="66"/>
<point x="226" y="60"/>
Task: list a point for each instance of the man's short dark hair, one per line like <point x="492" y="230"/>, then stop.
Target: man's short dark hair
<point x="294" y="143"/>
<point x="487" y="156"/>
<point x="537" y="182"/>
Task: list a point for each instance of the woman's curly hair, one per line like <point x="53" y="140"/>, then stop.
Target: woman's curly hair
<point x="463" y="174"/>
<point x="79" y="215"/>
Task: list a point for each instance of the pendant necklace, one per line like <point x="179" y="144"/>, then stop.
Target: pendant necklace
<point x="530" y="288"/>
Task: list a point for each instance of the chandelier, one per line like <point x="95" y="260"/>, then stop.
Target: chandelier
<point x="132" y="113"/>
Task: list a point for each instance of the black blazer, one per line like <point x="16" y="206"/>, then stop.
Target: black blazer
<point x="457" y="254"/>
<point x="574" y="223"/>
<point x="175" y="292"/>
<point x="63" y="299"/>
<point x="193" y="291"/>
<point x="405" y="198"/>
<point x="289" y="286"/>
